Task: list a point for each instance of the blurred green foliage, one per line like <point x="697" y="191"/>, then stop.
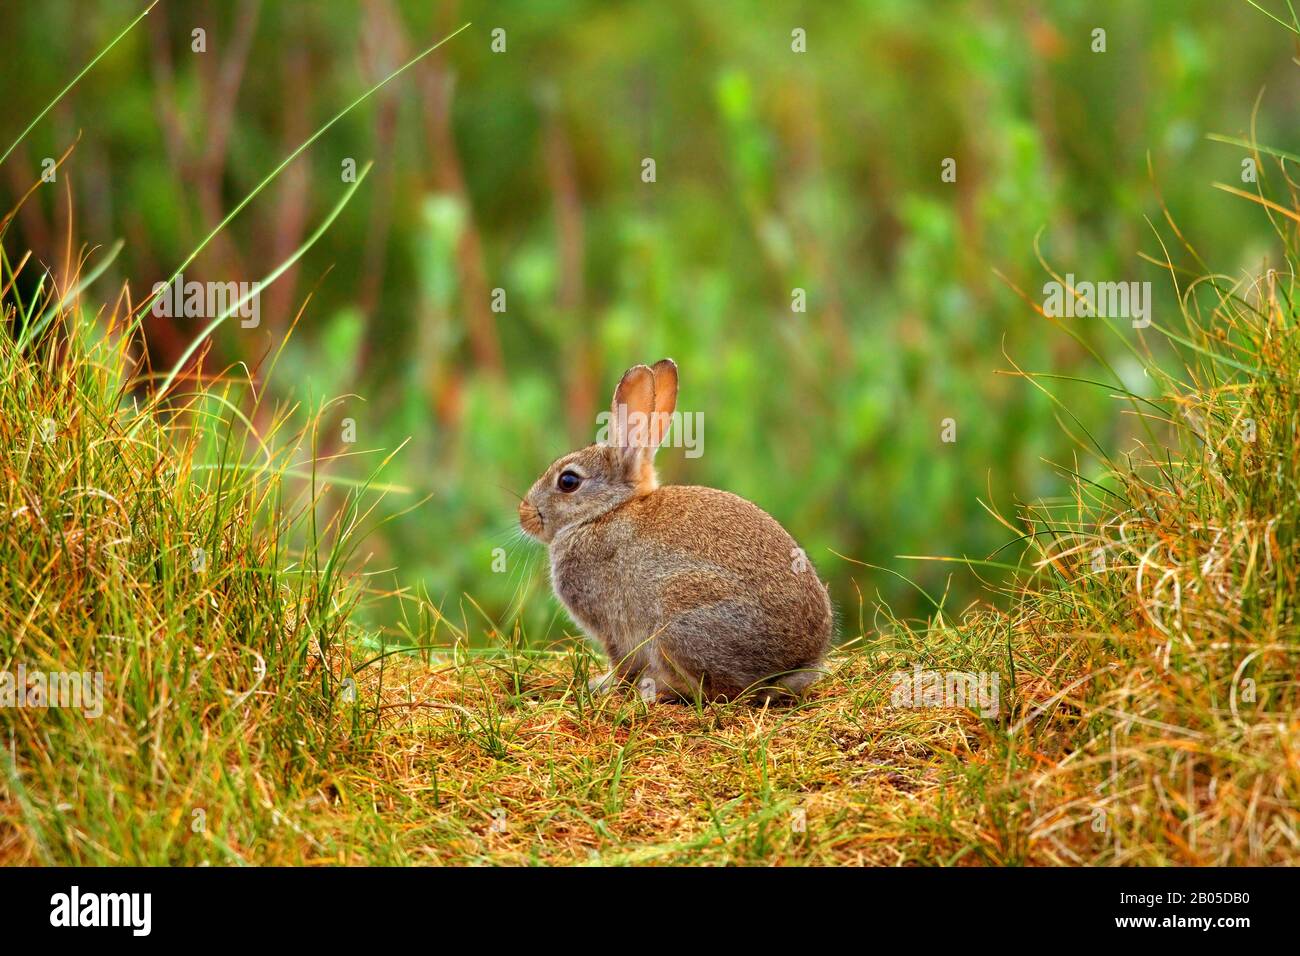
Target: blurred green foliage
<point x="775" y="170"/>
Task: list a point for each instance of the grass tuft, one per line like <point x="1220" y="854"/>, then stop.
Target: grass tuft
<point x="184" y="549"/>
<point x="1147" y="654"/>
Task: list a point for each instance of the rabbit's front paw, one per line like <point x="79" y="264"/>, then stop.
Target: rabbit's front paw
<point x="603" y="684"/>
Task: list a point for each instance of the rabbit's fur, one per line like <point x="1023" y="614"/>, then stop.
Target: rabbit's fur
<point x="696" y="589"/>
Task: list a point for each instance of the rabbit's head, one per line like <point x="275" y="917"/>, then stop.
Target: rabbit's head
<point x="592" y="481"/>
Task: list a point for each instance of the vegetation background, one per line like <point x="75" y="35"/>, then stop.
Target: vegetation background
<point x="198" y="540"/>
<point x="776" y="170"/>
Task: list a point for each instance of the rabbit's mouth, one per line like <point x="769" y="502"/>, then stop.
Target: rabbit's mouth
<point x="530" y="519"/>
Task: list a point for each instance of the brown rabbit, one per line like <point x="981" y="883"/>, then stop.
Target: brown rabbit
<point x="694" y="589"/>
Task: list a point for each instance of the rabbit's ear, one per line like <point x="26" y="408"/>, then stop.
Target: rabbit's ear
<point x="665" y="373"/>
<point x="632" y="409"/>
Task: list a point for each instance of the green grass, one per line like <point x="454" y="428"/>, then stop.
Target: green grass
<point x="186" y="538"/>
<point x="151" y="547"/>
<point x="1126" y="732"/>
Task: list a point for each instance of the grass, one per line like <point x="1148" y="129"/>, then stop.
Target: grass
<point x="148" y="550"/>
<point x="186" y="540"/>
<point x="1147" y="657"/>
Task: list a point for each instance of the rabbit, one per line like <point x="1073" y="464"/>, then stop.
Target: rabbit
<point x="694" y="593"/>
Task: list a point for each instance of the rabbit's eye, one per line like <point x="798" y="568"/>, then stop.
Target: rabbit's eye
<point x="568" y="481"/>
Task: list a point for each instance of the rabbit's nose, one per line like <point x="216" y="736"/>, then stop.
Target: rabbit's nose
<point x="530" y="518"/>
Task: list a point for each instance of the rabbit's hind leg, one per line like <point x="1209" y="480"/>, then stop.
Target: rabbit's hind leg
<point x="670" y="682"/>
<point x="711" y="651"/>
<point x="796" y="682"/>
